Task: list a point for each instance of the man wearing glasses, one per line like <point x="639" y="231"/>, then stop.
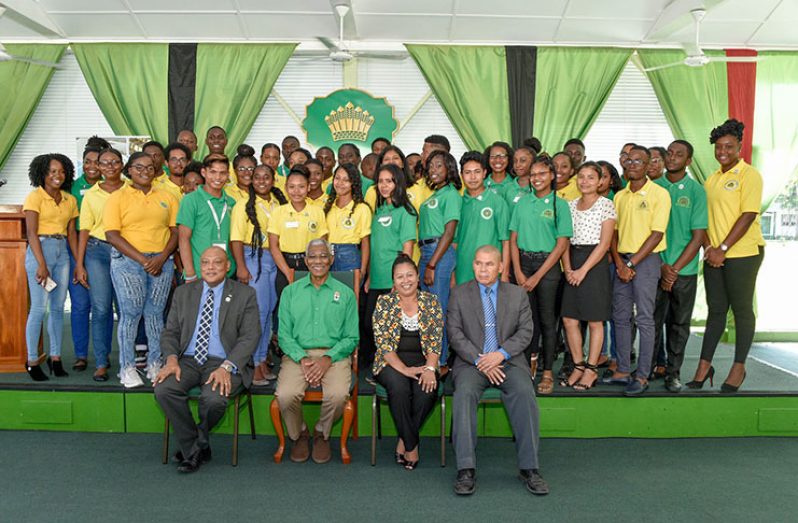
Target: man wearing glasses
<point x="177" y="157"/>
<point x="643" y="210"/>
<point x="318" y="332"/>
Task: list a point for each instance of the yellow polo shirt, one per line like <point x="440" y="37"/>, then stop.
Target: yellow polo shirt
<point x="143" y="220"/>
<point x="347" y="226"/>
<point x="296" y="229"/>
<point x="93" y="209"/>
<point x="165" y="184"/>
<point x="237" y="193"/>
<point x="318" y="202"/>
<point x="53" y="217"/>
<point x="571" y="191"/>
<point x="729" y="195"/>
<point x="639" y="214"/>
<point x="241" y="228"/>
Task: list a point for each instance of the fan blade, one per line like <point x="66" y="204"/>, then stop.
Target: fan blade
<point x="665" y="66"/>
<point x="329" y="44"/>
<point x="32" y="61"/>
<point x="733" y="59"/>
<point x="382" y="56"/>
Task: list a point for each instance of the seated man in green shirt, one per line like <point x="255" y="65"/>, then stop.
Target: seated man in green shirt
<point x="318" y="331"/>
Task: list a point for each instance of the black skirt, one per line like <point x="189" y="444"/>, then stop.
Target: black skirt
<point x="592" y="299"/>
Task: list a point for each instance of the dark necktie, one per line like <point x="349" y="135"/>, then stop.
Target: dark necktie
<point x="491" y="337"/>
<point x="204" y="333"/>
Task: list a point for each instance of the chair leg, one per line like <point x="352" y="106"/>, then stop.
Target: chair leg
<point x="374" y="403"/>
<point x="236" y="408"/>
<point x="379" y="421"/>
<point x="251" y="414"/>
<point x="443" y="430"/>
<point x="277" y="421"/>
<point x="165" y="456"/>
<point x="349" y="414"/>
<point x="355" y="432"/>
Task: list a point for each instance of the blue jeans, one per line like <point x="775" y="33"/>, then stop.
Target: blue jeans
<point x="266" y="294"/>
<point x="139" y="294"/>
<point x="56" y="257"/>
<point x="440" y="286"/>
<point x="347" y="257"/>
<point x="101" y="291"/>
<point x="79" y="314"/>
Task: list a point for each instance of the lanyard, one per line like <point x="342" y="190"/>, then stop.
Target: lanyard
<point x="217" y="219"/>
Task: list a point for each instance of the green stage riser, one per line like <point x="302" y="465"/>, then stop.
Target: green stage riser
<point x="562" y="417"/>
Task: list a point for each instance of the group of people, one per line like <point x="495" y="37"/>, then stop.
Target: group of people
<point x="590" y="250"/>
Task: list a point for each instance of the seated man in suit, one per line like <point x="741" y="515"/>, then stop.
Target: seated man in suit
<point x="210" y="335"/>
<point x="490" y="324"/>
<point x="318" y="330"/>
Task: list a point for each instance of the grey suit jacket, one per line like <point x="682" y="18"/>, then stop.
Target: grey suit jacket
<point x="239" y="323"/>
<point x="465" y="323"/>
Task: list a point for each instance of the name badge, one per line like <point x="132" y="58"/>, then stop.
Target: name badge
<point x="222" y="246"/>
<point x="291" y="225"/>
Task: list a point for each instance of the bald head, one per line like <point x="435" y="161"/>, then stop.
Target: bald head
<point x="487" y="265"/>
<point x="214" y="265"/>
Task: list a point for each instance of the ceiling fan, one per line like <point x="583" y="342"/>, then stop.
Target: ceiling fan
<point x="5" y="56"/>
<point x="339" y="51"/>
<point x="695" y="56"/>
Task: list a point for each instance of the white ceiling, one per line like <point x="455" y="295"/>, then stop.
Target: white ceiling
<point x="386" y="24"/>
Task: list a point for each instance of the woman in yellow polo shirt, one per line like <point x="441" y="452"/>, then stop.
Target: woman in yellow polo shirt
<point x="316" y="194"/>
<point x="732" y="255"/>
<point x="244" y="165"/>
<point x="94" y="258"/>
<point x="50" y="213"/>
<point x="140" y="224"/>
<point x="292" y="226"/>
<point x="349" y="221"/>
<point x="254" y="263"/>
<point x="566" y="176"/>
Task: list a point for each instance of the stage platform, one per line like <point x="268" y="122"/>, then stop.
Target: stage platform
<point x="767" y="404"/>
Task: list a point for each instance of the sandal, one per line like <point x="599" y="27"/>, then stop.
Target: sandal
<point x="546" y="385"/>
<point x="582" y="387"/>
<point x="80" y="364"/>
<point x="578" y="367"/>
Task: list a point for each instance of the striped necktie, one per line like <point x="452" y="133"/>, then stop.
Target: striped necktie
<point x="491" y="337"/>
<point x="204" y="333"/>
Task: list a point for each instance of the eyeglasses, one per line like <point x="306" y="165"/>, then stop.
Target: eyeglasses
<point x="108" y="163"/>
<point x="633" y="161"/>
<point x="245" y="169"/>
<point x="656" y="160"/>
<point x="498" y="156"/>
<point x="178" y="160"/>
<point x="142" y="168"/>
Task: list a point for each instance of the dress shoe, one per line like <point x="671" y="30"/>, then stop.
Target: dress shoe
<point x="635" y="388"/>
<point x="534" y="482"/>
<point x="191" y="464"/>
<point x="36" y="373"/>
<point x="321" y="448"/>
<point x="300" y="451"/>
<point x="205" y="456"/>
<point x="466" y="482"/>
<point x="56" y="367"/>
<point x="726" y="388"/>
<point x="672" y="384"/>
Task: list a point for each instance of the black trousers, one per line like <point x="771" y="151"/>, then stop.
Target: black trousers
<point x="410" y="406"/>
<point x="172" y="395"/>
<point x="672" y="314"/>
<point x="731" y="286"/>
<point x="367" y="347"/>
<point x="544" y="302"/>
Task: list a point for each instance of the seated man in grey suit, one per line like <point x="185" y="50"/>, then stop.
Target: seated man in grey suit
<point x="210" y="335"/>
<point x="490" y="324"/>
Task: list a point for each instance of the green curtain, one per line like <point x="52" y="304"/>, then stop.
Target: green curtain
<point x="233" y="83"/>
<point x="130" y="84"/>
<point x="573" y="83"/>
<point x="22" y="86"/>
<point x="471" y="85"/>
<point x="775" y="147"/>
<point x="694" y="100"/>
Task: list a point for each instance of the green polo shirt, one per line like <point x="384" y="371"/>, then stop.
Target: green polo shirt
<point x="512" y="193"/>
<point x="499" y="186"/>
<point x="484" y="220"/>
<point x="688" y="213"/>
<point x="391" y="227"/>
<point x="533" y="220"/>
<point x="443" y="206"/>
<point x="79" y="188"/>
<point x="312" y="318"/>
<point x="195" y="213"/>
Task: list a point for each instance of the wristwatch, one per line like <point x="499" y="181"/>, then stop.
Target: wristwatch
<point x="630" y="264"/>
<point x="429" y="368"/>
<point x="724" y="247"/>
<point x="227" y="366"/>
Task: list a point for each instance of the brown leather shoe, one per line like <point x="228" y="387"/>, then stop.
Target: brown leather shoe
<point x="300" y="450"/>
<point x="321" y="448"/>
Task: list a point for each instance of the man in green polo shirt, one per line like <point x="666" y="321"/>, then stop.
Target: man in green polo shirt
<point x="484" y="219"/>
<point x="318" y="332"/>
<point x="679" y="273"/>
<point x="204" y="217"/>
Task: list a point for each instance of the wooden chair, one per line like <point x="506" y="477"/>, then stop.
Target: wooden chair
<point x="194" y="395"/>
<point x="352" y="280"/>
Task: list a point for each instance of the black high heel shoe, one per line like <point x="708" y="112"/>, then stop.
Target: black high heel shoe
<point x="400" y="459"/>
<point x="695" y="384"/>
<point x="411" y="465"/>
<point x="731" y="388"/>
<point x="56" y="367"/>
<point x="36" y="373"/>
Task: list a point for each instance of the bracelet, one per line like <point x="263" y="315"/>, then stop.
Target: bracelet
<point x="430" y="368"/>
<point x="431" y="267"/>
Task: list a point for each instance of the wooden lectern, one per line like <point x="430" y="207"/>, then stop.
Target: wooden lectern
<point x="13" y="290"/>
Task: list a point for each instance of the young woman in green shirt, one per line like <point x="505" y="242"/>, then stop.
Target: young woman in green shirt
<point x="499" y="156"/>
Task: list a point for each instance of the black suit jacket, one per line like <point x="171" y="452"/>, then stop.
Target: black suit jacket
<point x="239" y="323"/>
<point x="465" y="323"/>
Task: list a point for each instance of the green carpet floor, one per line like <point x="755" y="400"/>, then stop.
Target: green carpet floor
<point x="64" y="477"/>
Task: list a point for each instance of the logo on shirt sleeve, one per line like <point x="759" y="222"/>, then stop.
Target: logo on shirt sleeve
<point x="432" y="203"/>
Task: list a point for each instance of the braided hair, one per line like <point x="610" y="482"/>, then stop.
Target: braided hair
<point x="252" y="215"/>
<point x="357" y="188"/>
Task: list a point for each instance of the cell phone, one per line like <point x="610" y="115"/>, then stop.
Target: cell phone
<point x="49" y="284"/>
